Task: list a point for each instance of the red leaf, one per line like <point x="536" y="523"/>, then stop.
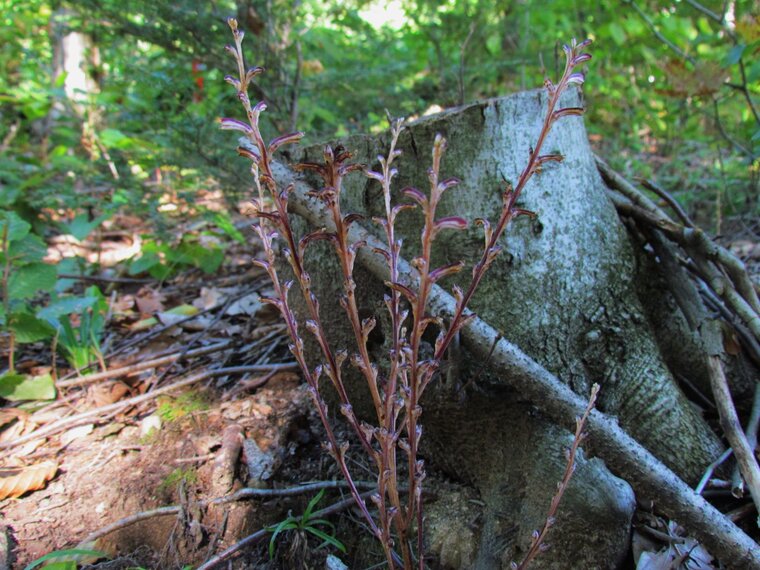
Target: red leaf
<point x="290" y="138"/>
<point x="228" y="124"/>
<point x="415" y="195"/>
<point x="446" y="270"/>
<point x="451" y="222"/>
<point x="404" y="290"/>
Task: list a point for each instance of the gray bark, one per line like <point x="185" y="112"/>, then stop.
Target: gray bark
<point x="564" y="290"/>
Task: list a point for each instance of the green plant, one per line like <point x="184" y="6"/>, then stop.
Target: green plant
<point x="181" y="475"/>
<point x="161" y="260"/>
<point x="79" y="342"/>
<point x="306" y="523"/>
<point x="67" y="559"/>
<point x="171" y="409"/>
<point x="24" y="275"/>
<point x="396" y="385"/>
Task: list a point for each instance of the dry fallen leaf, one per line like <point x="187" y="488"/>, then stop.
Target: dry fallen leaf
<point x="7" y="415"/>
<point x="76" y="433"/>
<point x="149" y="301"/>
<point x="247" y="305"/>
<point x="209" y="298"/>
<point x="15" y="481"/>
<point x="108" y="393"/>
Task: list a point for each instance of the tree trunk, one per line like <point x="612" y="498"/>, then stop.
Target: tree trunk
<point x="564" y="289"/>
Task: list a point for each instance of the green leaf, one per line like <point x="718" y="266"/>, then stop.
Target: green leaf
<point x="28" y="249"/>
<point x="72" y="553"/>
<point x="310" y="507"/>
<point x="68" y="265"/>
<point x="144" y="263"/>
<point x="287" y="524"/>
<point x="224" y="223"/>
<point x="114" y="138"/>
<point x="29" y="328"/>
<point x="734" y="55"/>
<point x="17" y="228"/>
<point x="9" y="195"/>
<point x="80" y="227"/>
<point x="66" y="306"/>
<point x="27" y="280"/>
<point x="61" y="565"/>
<point x="617" y="33"/>
<point x="326" y="539"/>
<point x="16" y="387"/>
<point x="206" y="259"/>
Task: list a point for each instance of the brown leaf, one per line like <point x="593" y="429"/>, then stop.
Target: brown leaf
<point x="149" y="301"/>
<point x="108" y="393"/>
<point x="15" y="481"/>
<point x="749" y="28"/>
<point x="730" y="340"/>
<point x="209" y="298"/>
<point x="7" y="415"/>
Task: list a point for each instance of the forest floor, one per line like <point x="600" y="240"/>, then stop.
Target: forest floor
<point x="193" y="406"/>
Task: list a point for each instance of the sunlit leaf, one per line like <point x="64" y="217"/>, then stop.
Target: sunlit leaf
<point x="26" y="281"/>
<point x="15" y="387"/>
<point x="28" y="328"/>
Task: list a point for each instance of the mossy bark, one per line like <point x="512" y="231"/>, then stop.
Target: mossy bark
<point x="564" y="290"/>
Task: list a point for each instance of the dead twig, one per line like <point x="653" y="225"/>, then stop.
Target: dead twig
<point x="257" y="536"/>
<point x="710" y="469"/>
<point x="729" y="420"/>
<point x="250" y="492"/>
<point x="140" y="366"/>
<point x="96" y="415"/>
<point x="196" y="337"/>
<point x="720" y="269"/>
<point x="239" y="495"/>
<point x="672" y="202"/>
<point x="737" y="484"/>
<point x="104" y="279"/>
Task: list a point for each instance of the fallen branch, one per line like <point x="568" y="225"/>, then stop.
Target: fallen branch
<point x="140" y="366"/>
<point x="239" y="495"/>
<point x="729" y="420"/>
<point x="737" y="484"/>
<point x="720" y="269"/>
<point x="649" y="477"/>
<point x="257" y="536"/>
<point x="96" y="414"/>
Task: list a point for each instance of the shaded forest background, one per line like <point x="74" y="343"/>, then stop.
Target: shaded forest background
<point x="668" y="97"/>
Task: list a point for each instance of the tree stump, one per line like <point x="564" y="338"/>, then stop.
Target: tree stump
<point x="564" y="289"/>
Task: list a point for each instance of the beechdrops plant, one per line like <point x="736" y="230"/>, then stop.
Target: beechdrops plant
<point x="397" y="383"/>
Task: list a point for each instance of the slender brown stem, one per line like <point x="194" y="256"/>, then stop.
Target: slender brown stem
<point x="261" y="169"/>
<point x="509" y="211"/>
<point x="580" y="423"/>
<point x="408" y="374"/>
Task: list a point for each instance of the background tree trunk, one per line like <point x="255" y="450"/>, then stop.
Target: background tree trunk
<point x="565" y="290"/>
